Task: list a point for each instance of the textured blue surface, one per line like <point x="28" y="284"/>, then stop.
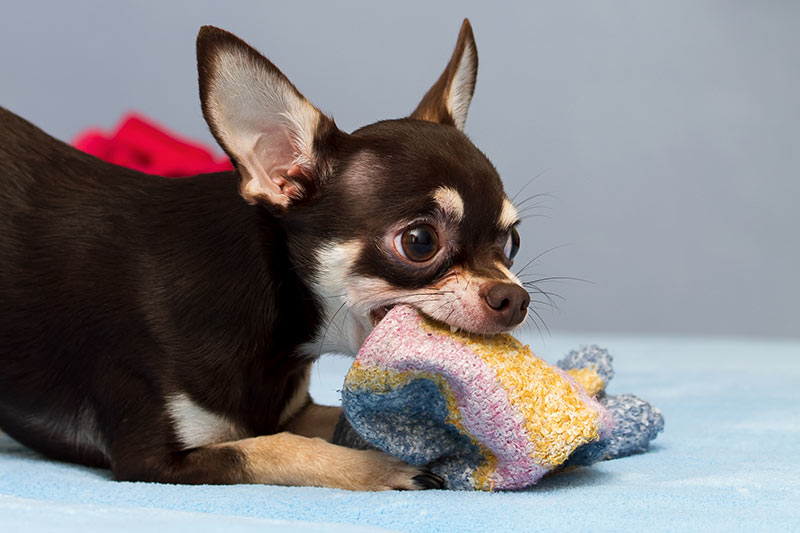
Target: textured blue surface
<point x="728" y="460"/>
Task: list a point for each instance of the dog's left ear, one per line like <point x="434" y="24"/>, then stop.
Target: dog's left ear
<point x="277" y="139"/>
<point x="447" y="102"/>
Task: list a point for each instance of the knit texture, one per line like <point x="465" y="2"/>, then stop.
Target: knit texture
<point x="482" y="412"/>
<point x="636" y="422"/>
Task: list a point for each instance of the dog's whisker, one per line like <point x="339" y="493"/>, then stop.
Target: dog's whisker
<point x="559" y="278"/>
<point x="443" y="305"/>
<point x="534" y="178"/>
<point x="533" y="210"/>
<point x="547" y="304"/>
<point x="547" y="195"/>
<point x="533" y="320"/>
<point x="523" y="218"/>
<point x="542" y="254"/>
<point x="549" y="295"/>
<point x="327" y="327"/>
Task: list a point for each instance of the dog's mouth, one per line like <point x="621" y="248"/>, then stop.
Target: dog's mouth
<point x="377" y="314"/>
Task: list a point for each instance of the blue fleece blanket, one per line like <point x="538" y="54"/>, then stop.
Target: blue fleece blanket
<point x="729" y="459"/>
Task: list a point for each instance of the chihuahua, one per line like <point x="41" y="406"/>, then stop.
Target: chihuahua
<point x="166" y="328"/>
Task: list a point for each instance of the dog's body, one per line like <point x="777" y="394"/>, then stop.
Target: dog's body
<point x="166" y="305"/>
<point x="165" y="328"/>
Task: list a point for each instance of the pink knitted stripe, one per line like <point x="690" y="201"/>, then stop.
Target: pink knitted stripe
<point x="399" y="343"/>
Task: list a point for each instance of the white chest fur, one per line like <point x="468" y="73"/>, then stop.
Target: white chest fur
<point x="196" y="426"/>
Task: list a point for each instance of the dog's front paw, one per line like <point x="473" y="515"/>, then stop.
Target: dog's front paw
<point x="345" y="435"/>
<point x="374" y="470"/>
<point x="288" y="459"/>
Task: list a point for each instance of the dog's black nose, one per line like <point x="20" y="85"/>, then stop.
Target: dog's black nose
<point x="509" y="303"/>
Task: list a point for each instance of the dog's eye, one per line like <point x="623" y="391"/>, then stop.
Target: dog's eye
<point x="418" y="243"/>
<point x="512" y="244"/>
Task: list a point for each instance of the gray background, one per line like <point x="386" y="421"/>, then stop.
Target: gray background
<point x="666" y="132"/>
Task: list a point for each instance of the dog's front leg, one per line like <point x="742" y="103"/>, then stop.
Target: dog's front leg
<point x="315" y="421"/>
<point x="280" y="459"/>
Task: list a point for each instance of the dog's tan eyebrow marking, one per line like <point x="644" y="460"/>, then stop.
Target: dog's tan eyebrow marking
<point x="450" y="202"/>
<point x="508" y="215"/>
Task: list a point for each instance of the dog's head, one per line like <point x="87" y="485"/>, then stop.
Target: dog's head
<point x="400" y="211"/>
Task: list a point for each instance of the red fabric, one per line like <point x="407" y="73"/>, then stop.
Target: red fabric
<point x="141" y="144"/>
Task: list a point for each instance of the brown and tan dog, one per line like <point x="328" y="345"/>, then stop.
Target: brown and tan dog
<point x="166" y="328"/>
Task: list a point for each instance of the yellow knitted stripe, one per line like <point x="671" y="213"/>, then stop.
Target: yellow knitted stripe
<point x="589" y="379"/>
<point x="482" y="476"/>
<point x="556" y="419"/>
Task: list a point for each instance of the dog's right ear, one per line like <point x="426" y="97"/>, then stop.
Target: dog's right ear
<point x="447" y="102"/>
<point x="275" y="137"/>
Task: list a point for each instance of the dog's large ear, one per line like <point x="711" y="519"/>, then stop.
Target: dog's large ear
<point x="447" y="102"/>
<point x="275" y="137"/>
